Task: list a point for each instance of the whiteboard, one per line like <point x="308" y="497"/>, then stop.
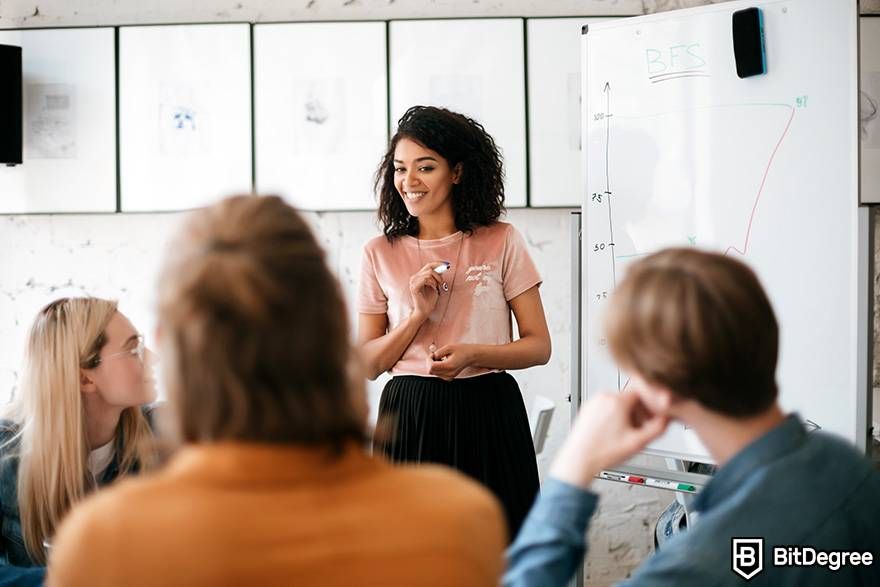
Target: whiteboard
<point x="321" y="103"/>
<point x="184" y="115"/>
<point x="869" y="107"/>
<point x="554" y="68"/>
<point x="763" y="169"/>
<point x="69" y="99"/>
<point x="474" y="67"/>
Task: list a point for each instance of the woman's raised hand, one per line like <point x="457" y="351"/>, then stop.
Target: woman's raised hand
<point x="424" y="289"/>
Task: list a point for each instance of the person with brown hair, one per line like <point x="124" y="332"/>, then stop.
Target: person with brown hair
<point x="699" y="338"/>
<point x="273" y="485"/>
<point x="438" y="291"/>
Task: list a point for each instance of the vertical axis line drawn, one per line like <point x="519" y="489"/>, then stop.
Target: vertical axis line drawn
<point x="745" y="247"/>
<point x="607" y="91"/>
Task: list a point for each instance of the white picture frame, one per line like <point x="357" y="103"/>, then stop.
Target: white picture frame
<point x="475" y="67"/>
<point x="321" y="112"/>
<point x="185" y="135"/>
<point x="69" y="123"/>
<point x="556" y="158"/>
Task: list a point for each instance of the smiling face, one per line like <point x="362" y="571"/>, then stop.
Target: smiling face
<point x="423" y="179"/>
<point x="122" y="379"/>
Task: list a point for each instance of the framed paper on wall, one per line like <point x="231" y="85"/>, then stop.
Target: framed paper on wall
<point x="321" y="100"/>
<point x="184" y="115"/>
<point x="69" y="123"/>
<point x="556" y="173"/>
<point x="475" y="67"/>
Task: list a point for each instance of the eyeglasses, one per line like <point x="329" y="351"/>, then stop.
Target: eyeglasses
<point x="139" y="351"/>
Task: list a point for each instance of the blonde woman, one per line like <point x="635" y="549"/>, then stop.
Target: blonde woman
<point x="76" y="423"/>
<point x="274" y="485"/>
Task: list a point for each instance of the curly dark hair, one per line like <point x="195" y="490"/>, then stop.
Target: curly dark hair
<point x="478" y="200"/>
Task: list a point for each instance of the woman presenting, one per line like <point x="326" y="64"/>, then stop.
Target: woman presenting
<point x="435" y="301"/>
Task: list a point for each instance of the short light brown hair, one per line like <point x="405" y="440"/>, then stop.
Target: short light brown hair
<point x="700" y="324"/>
<point x="254" y="331"/>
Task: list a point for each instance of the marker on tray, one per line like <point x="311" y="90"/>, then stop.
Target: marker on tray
<point x="663" y="484"/>
<point x="639" y="480"/>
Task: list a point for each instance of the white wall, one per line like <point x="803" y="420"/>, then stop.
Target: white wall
<point x="44" y="13"/>
<point x="109" y="12"/>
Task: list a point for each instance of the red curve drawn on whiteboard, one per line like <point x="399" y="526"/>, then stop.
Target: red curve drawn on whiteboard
<point x="745" y="247"/>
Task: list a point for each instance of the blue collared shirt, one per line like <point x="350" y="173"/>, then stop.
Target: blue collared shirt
<point x="788" y="487"/>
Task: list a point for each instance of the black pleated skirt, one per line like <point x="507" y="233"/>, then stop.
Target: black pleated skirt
<point x="477" y="425"/>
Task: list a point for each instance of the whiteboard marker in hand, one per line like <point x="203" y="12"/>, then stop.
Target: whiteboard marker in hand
<point x="441" y="269"/>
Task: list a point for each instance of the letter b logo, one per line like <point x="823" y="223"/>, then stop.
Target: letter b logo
<point x="747" y="557"/>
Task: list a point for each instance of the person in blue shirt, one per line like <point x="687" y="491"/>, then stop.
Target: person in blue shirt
<point x="22" y="576"/>
<point x="699" y="338"/>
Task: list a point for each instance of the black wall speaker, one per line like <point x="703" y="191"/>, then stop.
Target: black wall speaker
<point x="10" y="105"/>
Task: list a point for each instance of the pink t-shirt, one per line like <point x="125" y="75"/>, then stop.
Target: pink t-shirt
<point x="494" y="268"/>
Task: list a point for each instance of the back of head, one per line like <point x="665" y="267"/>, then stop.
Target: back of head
<point x="253" y="326"/>
<point x="699" y="324"/>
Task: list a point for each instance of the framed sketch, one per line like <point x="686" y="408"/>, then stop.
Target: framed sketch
<point x="869" y="107"/>
<point x="321" y="112"/>
<point x="184" y="115"/>
<point x="556" y="160"/>
<point x="69" y="123"/>
<point x="473" y="66"/>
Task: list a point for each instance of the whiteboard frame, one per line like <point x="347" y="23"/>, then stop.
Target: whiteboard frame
<point x="195" y="171"/>
<point x="866" y="304"/>
<point x="86" y="182"/>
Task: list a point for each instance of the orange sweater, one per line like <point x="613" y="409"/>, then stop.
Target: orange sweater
<point x="250" y="514"/>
